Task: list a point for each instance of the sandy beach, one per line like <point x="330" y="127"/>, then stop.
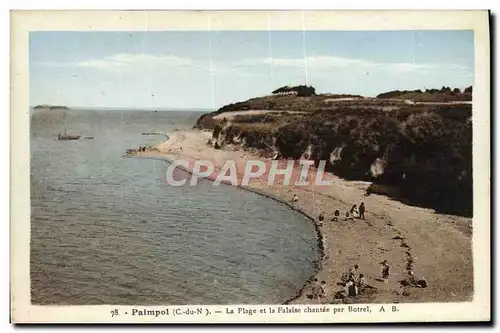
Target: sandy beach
<point x="434" y="246"/>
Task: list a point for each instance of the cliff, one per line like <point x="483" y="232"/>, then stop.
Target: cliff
<point x="421" y="152"/>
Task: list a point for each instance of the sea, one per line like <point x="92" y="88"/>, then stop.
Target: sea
<point x="107" y="229"/>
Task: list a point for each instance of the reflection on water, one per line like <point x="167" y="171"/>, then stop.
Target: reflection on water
<point x="107" y="230"/>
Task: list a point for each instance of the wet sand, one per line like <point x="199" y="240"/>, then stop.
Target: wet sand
<point x="436" y="246"/>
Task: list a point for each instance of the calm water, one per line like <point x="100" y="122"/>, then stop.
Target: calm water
<point x="106" y="229"/>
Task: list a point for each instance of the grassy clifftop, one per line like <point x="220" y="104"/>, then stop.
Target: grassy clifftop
<point x="332" y="102"/>
<point x="278" y="103"/>
<point x="422" y="152"/>
<point x="445" y="94"/>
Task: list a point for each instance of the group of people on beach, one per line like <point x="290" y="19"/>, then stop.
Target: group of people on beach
<point x="318" y="290"/>
<point x="358" y="213"/>
<point x="412" y="281"/>
<point x="355" y="282"/>
<point x="354" y="213"/>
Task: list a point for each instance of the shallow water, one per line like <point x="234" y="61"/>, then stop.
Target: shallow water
<point x="106" y="229"/>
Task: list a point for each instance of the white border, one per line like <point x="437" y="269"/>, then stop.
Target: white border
<point x="23" y="22"/>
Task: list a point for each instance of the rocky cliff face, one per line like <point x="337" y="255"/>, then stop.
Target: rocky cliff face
<point x="423" y="151"/>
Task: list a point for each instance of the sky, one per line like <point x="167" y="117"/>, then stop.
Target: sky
<point x="208" y="69"/>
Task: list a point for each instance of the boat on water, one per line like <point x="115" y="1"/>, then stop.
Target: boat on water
<point x="66" y="136"/>
<point x="152" y="133"/>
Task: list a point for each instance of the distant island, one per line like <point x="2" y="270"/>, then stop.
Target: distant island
<point x="413" y="145"/>
<point x="50" y="107"/>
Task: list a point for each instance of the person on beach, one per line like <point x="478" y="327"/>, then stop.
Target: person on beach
<point x="352" y="289"/>
<point x="362" y="210"/>
<point x="336" y="215"/>
<point x="322" y="289"/>
<point x="422" y="283"/>
<point x="295" y="198"/>
<point x="385" y="271"/>
<point x="318" y="290"/>
<point x="362" y="281"/>
<point x="321" y="217"/>
<point x="353" y="272"/>
<point x="411" y="278"/>
<point x="354" y="211"/>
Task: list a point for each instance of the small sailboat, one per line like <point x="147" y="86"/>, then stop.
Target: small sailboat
<point x="67" y="136"/>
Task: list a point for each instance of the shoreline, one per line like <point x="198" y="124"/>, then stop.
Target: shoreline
<point x="386" y="234"/>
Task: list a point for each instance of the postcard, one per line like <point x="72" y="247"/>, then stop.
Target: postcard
<point x="250" y="166"/>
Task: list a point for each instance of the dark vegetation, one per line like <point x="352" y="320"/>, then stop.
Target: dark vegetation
<point x="301" y="91"/>
<point x="445" y="94"/>
<point x="423" y="153"/>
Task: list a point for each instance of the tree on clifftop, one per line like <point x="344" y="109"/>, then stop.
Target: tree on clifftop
<point x="306" y="91"/>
